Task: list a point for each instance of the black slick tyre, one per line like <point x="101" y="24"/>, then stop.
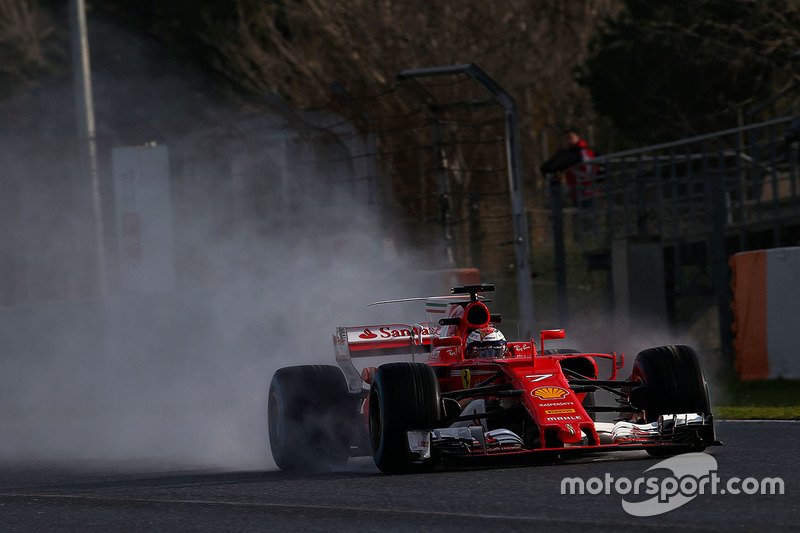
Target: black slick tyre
<point x="676" y="383"/>
<point x="308" y="411"/>
<point x="559" y="351"/>
<point x="403" y="397"/>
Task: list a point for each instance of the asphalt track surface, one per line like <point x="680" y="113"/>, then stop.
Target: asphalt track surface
<point x="110" y="497"/>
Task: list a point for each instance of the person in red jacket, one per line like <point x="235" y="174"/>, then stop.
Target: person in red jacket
<point x="579" y="178"/>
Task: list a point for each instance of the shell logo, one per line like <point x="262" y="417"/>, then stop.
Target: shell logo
<point x="549" y="393"/>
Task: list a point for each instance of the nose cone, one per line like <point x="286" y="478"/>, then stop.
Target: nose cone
<point x="569" y="434"/>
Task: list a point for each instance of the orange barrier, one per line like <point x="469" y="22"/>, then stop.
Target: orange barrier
<point x="749" y="285"/>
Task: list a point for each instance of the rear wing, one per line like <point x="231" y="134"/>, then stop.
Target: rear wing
<point x="385" y="340"/>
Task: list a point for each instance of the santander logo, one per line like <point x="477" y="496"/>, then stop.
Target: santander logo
<point x="393" y="332"/>
<point x="367" y="334"/>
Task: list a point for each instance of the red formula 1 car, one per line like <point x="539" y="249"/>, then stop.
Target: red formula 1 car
<point x="468" y="395"/>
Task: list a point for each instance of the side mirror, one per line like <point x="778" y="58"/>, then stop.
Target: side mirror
<point x="548" y="334"/>
<point x="447" y="341"/>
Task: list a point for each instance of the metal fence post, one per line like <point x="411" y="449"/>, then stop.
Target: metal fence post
<point x="559" y="249"/>
<point x="84" y="112"/>
<point x="718" y="262"/>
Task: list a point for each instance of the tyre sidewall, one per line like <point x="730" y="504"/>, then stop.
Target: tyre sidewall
<point x="403" y="397"/>
<point x="676" y="381"/>
<point x="309" y="412"/>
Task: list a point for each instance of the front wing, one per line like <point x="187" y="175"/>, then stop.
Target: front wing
<point x="678" y="432"/>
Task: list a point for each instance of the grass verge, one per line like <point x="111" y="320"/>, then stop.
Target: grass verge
<point x="777" y="399"/>
<point x="791" y="412"/>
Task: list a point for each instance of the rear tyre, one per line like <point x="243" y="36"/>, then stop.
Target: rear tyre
<point x="559" y="351"/>
<point x="676" y="383"/>
<point x="403" y="397"/>
<point x="308" y="411"/>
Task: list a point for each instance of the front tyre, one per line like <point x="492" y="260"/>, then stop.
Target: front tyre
<point x="403" y="397"/>
<point x="676" y="383"/>
<point x="308" y="411"/>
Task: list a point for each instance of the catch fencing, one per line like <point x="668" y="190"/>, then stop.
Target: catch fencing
<point x="739" y="180"/>
<point x="441" y="155"/>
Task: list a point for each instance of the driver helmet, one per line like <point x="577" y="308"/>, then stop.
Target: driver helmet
<point x="486" y="342"/>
